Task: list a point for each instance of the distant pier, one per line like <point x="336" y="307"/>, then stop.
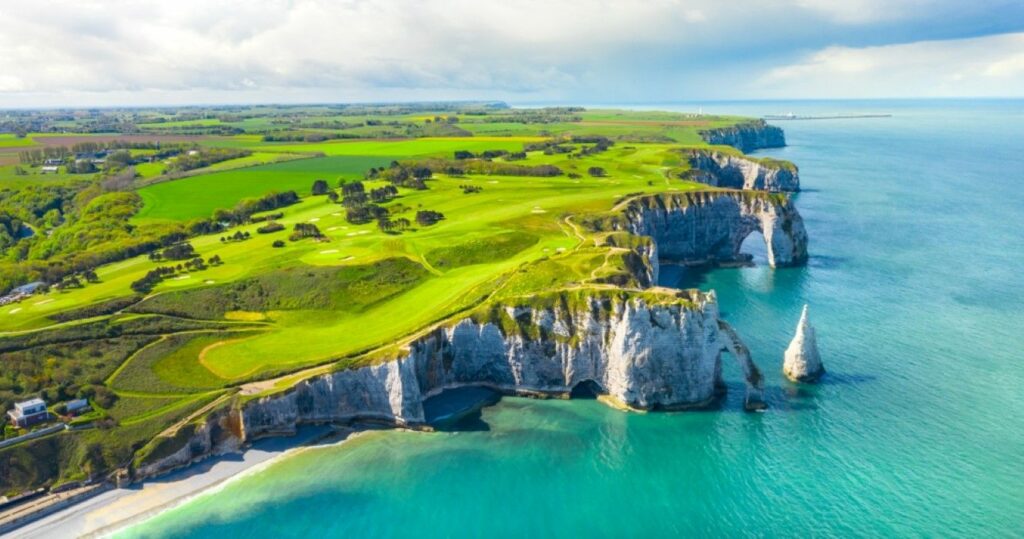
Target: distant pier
<point x="792" y="116"/>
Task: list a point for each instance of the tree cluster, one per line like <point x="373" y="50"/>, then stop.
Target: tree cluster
<point x="428" y="217"/>
<point x="179" y="251"/>
<point x="237" y="236"/>
<point x="305" y="230"/>
<point x="204" y="158"/>
<point x="154" y="276"/>
<point x="483" y="167"/>
<point x="244" y="209"/>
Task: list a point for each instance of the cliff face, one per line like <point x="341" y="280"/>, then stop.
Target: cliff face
<point x="723" y="170"/>
<point x="645" y="350"/>
<point x="747" y="136"/>
<point x="642" y="353"/>
<point x="709" y="227"/>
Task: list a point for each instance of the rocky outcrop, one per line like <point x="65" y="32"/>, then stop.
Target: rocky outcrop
<point x="218" y="434"/>
<point x="720" y="169"/>
<point x="710" y="226"/>
<point x="746" y="136"/>
<point x="802" y="363"/>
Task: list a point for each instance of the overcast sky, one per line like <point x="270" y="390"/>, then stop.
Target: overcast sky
<point x="140" y="52"/>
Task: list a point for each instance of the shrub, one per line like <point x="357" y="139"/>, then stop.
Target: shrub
<point x="270" y="227"/>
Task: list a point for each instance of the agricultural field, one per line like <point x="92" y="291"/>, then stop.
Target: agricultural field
<point x="222" y="277"/>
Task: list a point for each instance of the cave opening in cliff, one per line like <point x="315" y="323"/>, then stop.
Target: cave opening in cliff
<point x="754" y="250"/>
<point x="587" y="389"/>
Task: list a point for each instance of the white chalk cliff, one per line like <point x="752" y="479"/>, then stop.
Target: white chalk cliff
<point x="652" y="350"/>
<point x="747" y="136"/>
<point x="720" y="169"/>
<point x="710" y="226"/>
<point x="802" y="363"/>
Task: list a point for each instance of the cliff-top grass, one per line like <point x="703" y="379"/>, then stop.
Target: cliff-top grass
<point x="278" y="304"/>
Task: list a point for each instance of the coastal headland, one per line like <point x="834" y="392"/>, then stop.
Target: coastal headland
<point x="344" y="267"/>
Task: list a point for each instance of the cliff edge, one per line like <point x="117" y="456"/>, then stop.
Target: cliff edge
<point x="746" y="136"/>
<point x="648" y="350"/>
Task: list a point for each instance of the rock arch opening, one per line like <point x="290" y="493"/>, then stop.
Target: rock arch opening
<point x="587" y="389"/>
<point x="753" y="249"/>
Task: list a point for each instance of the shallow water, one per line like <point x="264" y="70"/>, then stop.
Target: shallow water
<point x="915" y="282"/>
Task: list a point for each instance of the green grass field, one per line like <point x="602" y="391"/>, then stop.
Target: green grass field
<point x="8" y="140"/>
<point x="198" y="196"/>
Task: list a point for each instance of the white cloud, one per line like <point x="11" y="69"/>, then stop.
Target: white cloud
<point x="866" y="11"/>
<point x="148" y="51"/>
<point x="986" y="66"/>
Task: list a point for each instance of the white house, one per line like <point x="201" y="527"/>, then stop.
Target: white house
<point x="29" y="413"/>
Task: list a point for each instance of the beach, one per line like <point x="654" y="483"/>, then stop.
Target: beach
<point x="118" y="508"/>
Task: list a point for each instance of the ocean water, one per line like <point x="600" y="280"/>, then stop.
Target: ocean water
<point x="916" y="286"/>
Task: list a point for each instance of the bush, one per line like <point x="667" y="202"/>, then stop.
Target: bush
<point x="278" y="243"/>
<point x="270" y="227"/>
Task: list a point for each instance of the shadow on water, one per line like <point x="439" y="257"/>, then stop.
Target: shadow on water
<point x="826" y="262"/>
<point x="683" y="277"/>
<point x="460" y="409"/>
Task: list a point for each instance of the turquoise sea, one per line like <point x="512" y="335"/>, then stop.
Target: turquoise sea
<point x="916" y="286"/>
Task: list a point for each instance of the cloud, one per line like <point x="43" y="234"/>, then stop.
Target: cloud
<point x="988" y="66"/>
<point x="148" y="51"/>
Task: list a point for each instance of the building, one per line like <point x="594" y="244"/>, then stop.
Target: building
<point x="49" y="169"/>
<point x="28" y="413"/>
<point x="77" y="406"/>
<point x="21" y="292"/>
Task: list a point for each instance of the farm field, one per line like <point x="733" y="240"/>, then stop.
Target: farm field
<point x="415" y="231"/>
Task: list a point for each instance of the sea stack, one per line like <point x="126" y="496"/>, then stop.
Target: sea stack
<point x="802" y="362"/>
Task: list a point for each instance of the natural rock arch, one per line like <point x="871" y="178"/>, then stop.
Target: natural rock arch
<point x="709" y="227"/>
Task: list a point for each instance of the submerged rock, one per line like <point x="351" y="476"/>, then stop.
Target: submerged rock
<point x="802" y="362"/>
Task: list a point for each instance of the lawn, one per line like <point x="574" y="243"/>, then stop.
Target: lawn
<point x="199" y="196"/>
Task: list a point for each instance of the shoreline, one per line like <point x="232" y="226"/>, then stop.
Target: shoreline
<point x="120" y="508"/>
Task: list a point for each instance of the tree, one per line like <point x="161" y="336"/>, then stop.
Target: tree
<point x="596" y="172"/>
<point x="352" y="188"/>
<point x="320" y="187"/>
<point x="428" y="217"/>
<point x="332" y="196"/>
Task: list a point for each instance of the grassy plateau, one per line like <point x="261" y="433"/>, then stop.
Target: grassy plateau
<point x="270" y="303"/>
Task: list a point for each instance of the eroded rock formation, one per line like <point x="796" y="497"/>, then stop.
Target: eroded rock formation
<point x="721" y="169"/>
<point x="710" y="226"/>
<point x="802" y="363"/>
<point x="747" y="136"/>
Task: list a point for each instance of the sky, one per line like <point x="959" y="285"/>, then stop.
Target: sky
<point x="140" y="52"/>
